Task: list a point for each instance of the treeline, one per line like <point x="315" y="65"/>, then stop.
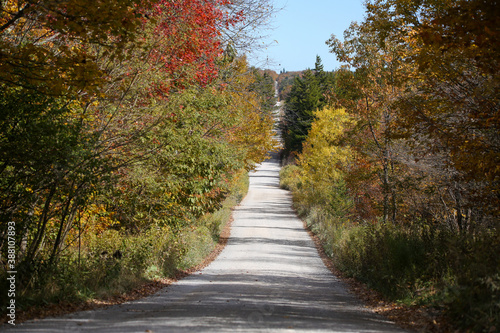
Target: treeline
<point x="397" y="155"/>
<point x="122" y="125"/>
<point x="285" y="82"/>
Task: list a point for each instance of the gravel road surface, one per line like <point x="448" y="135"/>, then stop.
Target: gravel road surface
<point x="269" y="278"/>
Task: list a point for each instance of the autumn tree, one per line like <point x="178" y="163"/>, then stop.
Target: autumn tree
<point x="323" y="162"/>
<point x="378" y="79"/>
<point x="121" y="102"/>
<point x="414" y="146"/>
<point x="452" y="110"/>
<point x="44" y="44"/>
<point x="207" y="136"/>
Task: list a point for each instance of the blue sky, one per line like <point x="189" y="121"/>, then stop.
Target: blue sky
<point x="301" y="30"/>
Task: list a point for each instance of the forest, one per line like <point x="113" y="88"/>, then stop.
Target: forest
<point x="127" y="129"/>
<point x="394" y="158"/>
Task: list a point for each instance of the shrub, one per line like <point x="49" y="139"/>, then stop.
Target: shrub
<point x="289" y="177"/>
<point x="116" y="261"/>
<point x="414" y="263"/>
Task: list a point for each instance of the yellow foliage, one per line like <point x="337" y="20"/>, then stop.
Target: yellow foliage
<point x="322" y="154"/>
<point x="97" y="219"/>
<point x="253" y="133"/>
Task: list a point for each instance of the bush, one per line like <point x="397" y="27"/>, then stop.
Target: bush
<point x="443" y="271"/>
<point x="116" y="261"/>
<point x="289" y="177"/>
<point x="413" y="263"/>
<point x="198" y="243"/>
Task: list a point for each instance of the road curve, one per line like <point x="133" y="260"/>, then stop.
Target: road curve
<point x="269" y="278"/>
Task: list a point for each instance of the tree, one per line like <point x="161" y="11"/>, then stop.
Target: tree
<point x="264" y="87"/>
<point x="377" y="81"/>
<point x="323" y="161"/>
<point x="307" y="94"/>
<point x="453" y="109"/>
<point x="120" y="100"/>
<point x="253" y="102"/>
<point x="318" y="66"/>
<point x="43" y="45"/>
<point x="304" y="98"/>
<point x="246" y="33"/>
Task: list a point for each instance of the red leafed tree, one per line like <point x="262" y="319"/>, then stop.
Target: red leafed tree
<point x="188" y="40"/>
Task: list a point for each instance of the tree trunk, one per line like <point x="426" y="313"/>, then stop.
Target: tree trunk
<point x="41" y="225"/>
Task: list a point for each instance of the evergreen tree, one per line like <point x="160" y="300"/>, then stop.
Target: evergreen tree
<point x="318" y="66"/>
<point x="264" y="87"/>
<point x="308" y="93"/>
<point x="304" y="98"/>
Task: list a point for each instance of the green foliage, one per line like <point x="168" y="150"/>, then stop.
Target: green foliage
<point x="417" y="265"/>
<point x="415" y="260"/>
<point x="186" y="172"/>
<point x="304" y="98"/>
<point x="263" y="86"/>
<point x="48" y="170"/>
<point x="97" y="271"/>
<point x="307" y="95"/>
<point x="200" y="236"/>
<point x="285" y="83"/>
<point x="289" y="177"/>
<point x="390" y="260"/>
<point x="216" y="221"/>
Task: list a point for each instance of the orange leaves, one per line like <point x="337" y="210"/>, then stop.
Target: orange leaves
<point x="46" y="47"/>
<point x="448" y="66"/>
<point x="95" y="220"/>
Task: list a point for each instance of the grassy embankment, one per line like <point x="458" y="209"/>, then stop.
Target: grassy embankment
<point x="154" y="254"/>
<point x="420" y="264"/>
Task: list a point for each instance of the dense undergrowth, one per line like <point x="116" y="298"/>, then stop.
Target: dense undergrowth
<point x="116" y="261"/>
<point x="415" y="264"/>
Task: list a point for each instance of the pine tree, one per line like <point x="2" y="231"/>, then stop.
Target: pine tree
<point x="304" y="98"/>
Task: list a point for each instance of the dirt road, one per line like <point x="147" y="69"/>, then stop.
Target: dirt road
<point x="269" y="278"/>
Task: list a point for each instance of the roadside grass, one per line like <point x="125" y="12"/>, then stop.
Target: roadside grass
<point x="200" y="242"/>
<point x="116" y="262"/>
<point x="413" y="265"/>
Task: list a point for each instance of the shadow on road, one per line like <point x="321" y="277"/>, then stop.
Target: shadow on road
<point x="268" y="278"/>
